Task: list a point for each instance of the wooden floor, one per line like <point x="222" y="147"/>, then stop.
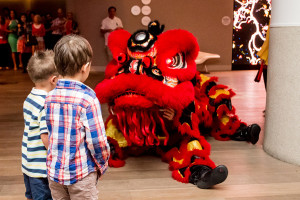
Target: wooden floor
<point x="253" y="174"/>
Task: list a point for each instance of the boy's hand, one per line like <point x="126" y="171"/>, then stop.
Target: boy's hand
<point x="168" y="113"/>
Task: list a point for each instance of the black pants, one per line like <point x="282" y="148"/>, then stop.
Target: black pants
<point x="265" y="75"/>
<point x="54" y="40"/>
<point x="25" y="59"/>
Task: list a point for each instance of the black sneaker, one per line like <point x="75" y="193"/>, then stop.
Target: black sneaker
<point x="205" y="177"/>
<point x="247" y="133"/>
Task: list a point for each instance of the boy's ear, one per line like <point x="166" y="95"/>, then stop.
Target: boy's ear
<point x="54" y="79"/>
<point x="86" y="66"/>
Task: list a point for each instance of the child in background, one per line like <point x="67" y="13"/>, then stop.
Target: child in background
<point x="38" y="30"/>
<point x="42" y="72"/>
<point x="71" y="25"/>
<point x="78" y="149"/>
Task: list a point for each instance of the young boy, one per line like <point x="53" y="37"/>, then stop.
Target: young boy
<point x="78" y="148"/>
<point x="42" y="71"/>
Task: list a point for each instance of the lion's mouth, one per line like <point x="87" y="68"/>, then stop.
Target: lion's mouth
<point x="130" y="93"/>
<point x="131" y="98"/>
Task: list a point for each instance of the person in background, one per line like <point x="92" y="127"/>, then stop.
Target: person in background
<point x="13" y="36"/>
<point x="58" y="27"/>
<point x="71" y="25"/>
<point x="4" y="47"/>
<point x="22" y="36"/>
<point x="31" y="16"/>
<point x="48" y="30"/>
<point x="108" y="25"/>
<point x="6" y="15"/>
<point x="38" y="31"/>
<point x="24" y="46"/>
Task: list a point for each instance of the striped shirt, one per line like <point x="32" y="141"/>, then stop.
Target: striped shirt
<point x="34" y="153"/>
<point x="77" y="140"/>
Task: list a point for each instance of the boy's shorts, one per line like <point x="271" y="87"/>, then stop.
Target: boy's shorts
<point x="37" y="188"/>
<point x="85" y="188"/>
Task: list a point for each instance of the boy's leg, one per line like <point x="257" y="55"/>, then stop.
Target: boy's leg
<point x="40" y="188"/>
<point x="58" y="191"/>
<point x="27" y="187"/>
<point x="85" y="188"/>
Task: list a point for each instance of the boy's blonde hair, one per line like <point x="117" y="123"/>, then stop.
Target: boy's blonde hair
<point x="41" y="66"/>
<point x="71" y="53"/>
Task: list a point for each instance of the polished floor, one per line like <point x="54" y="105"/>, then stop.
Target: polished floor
<point x="253" y="174"/>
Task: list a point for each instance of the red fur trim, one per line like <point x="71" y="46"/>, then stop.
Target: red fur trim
<point x="117" y="42"/>
<point x="177" y="98"/>
<point x="206" y="83"/>
<point x="224" y="96"/>
<point x="118" y="149"/>
<point x="224" y="110"/>
<point x="185" y="156"/>
<point x="204" y="112"/>
<point x="116" y="163"/>
<point x="227" y="129"/>
<point x="186" y="129"/>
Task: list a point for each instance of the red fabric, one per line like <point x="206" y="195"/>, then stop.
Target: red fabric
<point x="69" y="27"/>
<point x="259" y="73"/>
<point x="39" y="32"/>
<point x="3" y="34"/>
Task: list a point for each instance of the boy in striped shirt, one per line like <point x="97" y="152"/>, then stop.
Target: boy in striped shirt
<point x="78" y="149"/>
<point x="42" y="71"/>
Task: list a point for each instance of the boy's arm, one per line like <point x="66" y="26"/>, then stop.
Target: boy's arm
<point x="43" y="128"/>
<point x="95" y="136"/>
<point x="44" y="138"/>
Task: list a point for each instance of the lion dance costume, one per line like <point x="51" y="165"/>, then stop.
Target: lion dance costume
<point x="154" y="70"/>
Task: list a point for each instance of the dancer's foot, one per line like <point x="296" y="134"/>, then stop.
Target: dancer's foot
<point x="247" y="133"/>
<point x="205" y="177"/>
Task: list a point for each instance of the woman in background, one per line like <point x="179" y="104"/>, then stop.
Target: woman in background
<point x="13" y="36"/>
<point x="48" y="24"/>
<point x="4" y="47"/>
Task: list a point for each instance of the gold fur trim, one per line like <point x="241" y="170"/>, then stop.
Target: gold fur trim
<point x="114" y="133"/>
<point x="195" y="144"/>
<point x="219" y="92"/>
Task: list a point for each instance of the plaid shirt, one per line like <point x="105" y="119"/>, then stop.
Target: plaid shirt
<point x="77" y="140"/>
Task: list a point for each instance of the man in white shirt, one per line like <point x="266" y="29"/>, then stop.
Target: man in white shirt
<point x="108" y="25"/>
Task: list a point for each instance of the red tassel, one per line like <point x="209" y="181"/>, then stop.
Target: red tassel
<point x="259" y="73"/>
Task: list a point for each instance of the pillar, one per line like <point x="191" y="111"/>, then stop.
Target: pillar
<point x="282" y="125"/>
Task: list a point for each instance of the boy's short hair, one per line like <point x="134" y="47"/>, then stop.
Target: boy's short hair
<point x="71" y="52"/>
<point x="41" y="66"/>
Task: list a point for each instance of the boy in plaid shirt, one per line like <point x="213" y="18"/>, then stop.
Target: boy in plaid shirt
<point x="78" y="148"/>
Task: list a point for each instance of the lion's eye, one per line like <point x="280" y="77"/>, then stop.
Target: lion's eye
<point x="177" y="62"/>
<point x="156" y="72"/>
